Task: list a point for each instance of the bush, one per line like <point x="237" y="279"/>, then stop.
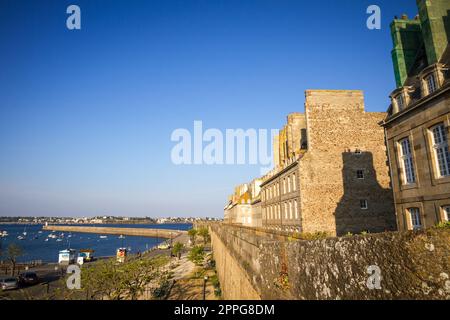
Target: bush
<point x="313" y="236"/>
<point x="443" y="225"/>
<point x="197" y="254"/>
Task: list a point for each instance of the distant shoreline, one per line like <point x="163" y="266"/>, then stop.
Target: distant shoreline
<point x="90" y="224"/>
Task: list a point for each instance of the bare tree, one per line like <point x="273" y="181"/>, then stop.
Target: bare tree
<point x="14" y="251"/>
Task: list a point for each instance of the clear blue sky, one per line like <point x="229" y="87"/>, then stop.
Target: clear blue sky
<point x="86" y="116"/>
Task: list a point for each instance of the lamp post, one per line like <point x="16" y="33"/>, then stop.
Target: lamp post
<point x="204" y="287"/>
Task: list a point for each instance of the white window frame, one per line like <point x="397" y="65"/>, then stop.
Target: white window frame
<point x="415" y="218"/>
<point x="446" y="210"/>
<point x="285" y="210"/>
<point x="296" y="208"/>
<point x="441" y="149"/>
<point x="294" y="184"/>
<point x="290" y="210"/>
<point x="409" y="174"/>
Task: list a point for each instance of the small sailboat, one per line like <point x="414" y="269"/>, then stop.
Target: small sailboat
<point x="59" y="239"/>
<point x="46" y="239"/>
<point x="21" y="238"/>
<point x="121" y="236"/>
<point x="24" y="231"/>
<point x="103" y="237"/>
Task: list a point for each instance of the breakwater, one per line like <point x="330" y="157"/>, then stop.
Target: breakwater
<point x="143" y="232"/>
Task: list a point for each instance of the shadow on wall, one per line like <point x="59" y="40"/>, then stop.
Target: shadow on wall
<point x="365" y="205"/>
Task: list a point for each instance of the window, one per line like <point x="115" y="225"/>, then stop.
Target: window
<point x="279" y="211"/>
<point x="431" y="83"/>
<point x="296" y="209"/>
<point x="440" y="146"/>
<point x="357" y="151"/>
<point x="408" y="167"/>
<point x="289" y="183"/>
<point x="363" y="204"/>
<point x="290" y="210"/>
<point x="400" y="102"/>
<point x="360" y="174"/>
<point x="285" y="210"/>
<point x="414" y="214"/>
<point x="294" y="183"/>
<point x="446" y="213"/>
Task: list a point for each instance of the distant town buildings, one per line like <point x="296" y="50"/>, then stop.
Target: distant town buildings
<point x="244" y="205"/>
<point x="418" y="120"/>
<point x="103" y="220"/>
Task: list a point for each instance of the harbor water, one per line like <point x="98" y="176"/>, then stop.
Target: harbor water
<point x="38" y="244"/>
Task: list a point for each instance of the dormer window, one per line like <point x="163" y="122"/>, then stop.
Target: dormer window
<point x="431" y="83"/>
<point x="400" y="102"/>
<point x="432" y="78"/>
<point x="400" y="98"/>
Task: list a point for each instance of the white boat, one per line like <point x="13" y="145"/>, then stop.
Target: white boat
<point x="40" y="231"/>
<point x="46" y="239"/>
<point x="58" y="239"/>
<point x="121" y="236"/>
<point x="21" y="238"/>
<point x="103" y="237"/>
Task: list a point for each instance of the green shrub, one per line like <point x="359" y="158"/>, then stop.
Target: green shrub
<point x="197" y="255"/>
<point x="443" y="225"/>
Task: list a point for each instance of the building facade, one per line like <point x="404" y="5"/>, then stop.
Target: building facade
<point x="244" y="205"/>
<point x="331" y="173"/>
<point x="418" y="120"/>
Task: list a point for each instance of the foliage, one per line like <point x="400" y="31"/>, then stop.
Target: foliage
<point x="443" y="225"/>
<point x="349" y="234"/>
<point x="313" y="236"/>
<point x="216" y="284"/>
<point x="364" y="232"/>
<point x="196" y="255"/>
<point x="163" y="288"/>
<point x="177" y="249"/>
<point x="192" y="234"/>
<point x="117" y="281"/>
<point x="204" y="233"/>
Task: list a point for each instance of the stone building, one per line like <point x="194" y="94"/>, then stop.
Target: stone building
<point x="244" y="205"/>
<point x="418" y="120"/>
<point x="331" y="171"/>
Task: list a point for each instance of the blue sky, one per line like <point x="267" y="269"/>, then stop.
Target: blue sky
<point x="86" y="115"/>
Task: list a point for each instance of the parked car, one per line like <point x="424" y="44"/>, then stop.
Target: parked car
<point x="9" y="283"/>
<point x="28" y="278"/>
